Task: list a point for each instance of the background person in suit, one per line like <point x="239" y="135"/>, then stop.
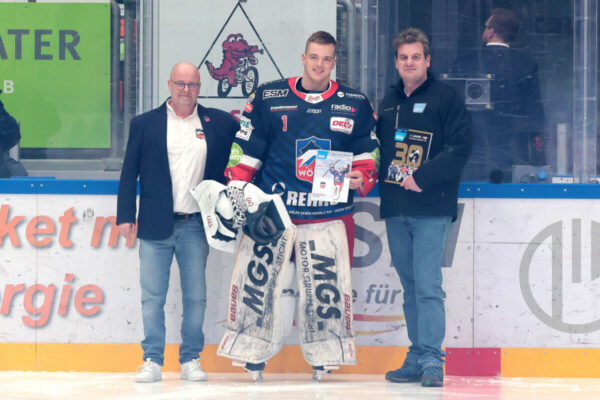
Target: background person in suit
<point x="512" y="131"/>
<point x="172" y="149"/>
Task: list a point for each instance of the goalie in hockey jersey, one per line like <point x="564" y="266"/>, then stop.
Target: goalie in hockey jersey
<point x="286" y="122"/>
<point x="283" y="126"/>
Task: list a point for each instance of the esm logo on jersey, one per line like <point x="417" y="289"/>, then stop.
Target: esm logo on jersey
<point x="341" y="124"/>
<point x="274" y="93"/>
<point x="306" y="156"/>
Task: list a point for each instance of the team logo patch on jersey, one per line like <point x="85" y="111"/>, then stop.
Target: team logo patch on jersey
<point x="199" y="133"/>
<point x="274" y="93"/>
<point x="341" y="124"/>
<point x="248" y="107"/>
<point x="306" y="156"/>
<point x="340" y="94"/>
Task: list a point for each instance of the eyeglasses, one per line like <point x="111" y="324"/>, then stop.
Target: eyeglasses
<point x="191" y="85"/>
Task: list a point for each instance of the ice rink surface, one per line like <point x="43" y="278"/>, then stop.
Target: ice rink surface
<point x="114" y="386"/>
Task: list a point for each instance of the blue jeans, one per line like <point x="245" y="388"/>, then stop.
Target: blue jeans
<point x="188" y="243"/>
<point x="417" y="246"/>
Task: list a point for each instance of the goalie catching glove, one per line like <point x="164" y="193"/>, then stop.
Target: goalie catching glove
<point x="225" y="209"/>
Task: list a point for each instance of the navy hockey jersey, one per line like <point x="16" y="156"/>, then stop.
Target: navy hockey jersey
<point x="281" y="131"/>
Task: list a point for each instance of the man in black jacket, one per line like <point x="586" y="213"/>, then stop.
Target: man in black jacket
<point x="511" y="132"/>
<point x="425" y="135"/>
<point x="171" y="149"/>
<point x="10" y="134"/>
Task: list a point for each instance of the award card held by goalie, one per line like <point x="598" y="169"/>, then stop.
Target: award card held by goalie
<point x="330" y="182"/>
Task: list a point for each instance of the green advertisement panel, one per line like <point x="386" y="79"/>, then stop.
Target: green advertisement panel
<point x="55" y="72"/>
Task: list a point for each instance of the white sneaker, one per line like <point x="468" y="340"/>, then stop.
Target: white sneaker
<point x="192" y="371"/>
<point x="148" y="372"/>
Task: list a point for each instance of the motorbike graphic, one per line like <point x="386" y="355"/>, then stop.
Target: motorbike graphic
<point x="237" y="66"/>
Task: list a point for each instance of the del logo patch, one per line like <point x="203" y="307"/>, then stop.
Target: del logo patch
<point x="306" y="156"/>
<point x="341" y="124"/>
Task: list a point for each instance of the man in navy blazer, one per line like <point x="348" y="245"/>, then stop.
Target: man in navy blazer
<point x="171" y="149"/>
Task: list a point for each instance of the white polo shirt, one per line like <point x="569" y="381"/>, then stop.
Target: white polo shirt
<point x="186" y="147"/>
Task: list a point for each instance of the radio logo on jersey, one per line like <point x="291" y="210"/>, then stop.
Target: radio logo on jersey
<point x="306" y="156"/>
<point x="343" y="108"/>
<point x="274" y="93"/>
<point x="341" y="124"/>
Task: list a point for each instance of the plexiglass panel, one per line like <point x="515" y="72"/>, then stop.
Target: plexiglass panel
<point x="74" y="73"/>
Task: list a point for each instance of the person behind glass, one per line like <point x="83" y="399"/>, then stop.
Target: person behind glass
<point x="10" y="134"/>
<point x="425" y="137"/>
<point x="511" y="132"/>
<point x="172" y="149"/>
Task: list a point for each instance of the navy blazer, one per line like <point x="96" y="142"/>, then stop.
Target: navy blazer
<point x="146" y="157"/>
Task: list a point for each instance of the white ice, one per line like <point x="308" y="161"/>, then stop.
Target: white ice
<point x="115" y="386"/>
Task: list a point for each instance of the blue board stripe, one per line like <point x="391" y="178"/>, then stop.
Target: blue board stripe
<point x="36" y="185"/>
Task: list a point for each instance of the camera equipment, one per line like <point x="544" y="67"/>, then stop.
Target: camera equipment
<point x="474" y="87"/>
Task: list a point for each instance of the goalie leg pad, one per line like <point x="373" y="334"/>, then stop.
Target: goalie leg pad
<point x="288" y="298"/>
<point x="253" y="332"/>
<point x="323" y="273"/>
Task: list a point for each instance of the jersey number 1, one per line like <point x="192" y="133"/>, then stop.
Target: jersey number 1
<point x="284" y="120"/>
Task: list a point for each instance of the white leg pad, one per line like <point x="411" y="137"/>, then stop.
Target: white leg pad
<point x="254" y="332"/>
<point x="324" y="277"/>
<point x="288" y="298"/>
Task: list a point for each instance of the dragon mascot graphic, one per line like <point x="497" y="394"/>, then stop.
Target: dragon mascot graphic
<point x="237" y="66"/>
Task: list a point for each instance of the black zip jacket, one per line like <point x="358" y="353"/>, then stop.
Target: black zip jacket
<point x="445" y="116"/>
